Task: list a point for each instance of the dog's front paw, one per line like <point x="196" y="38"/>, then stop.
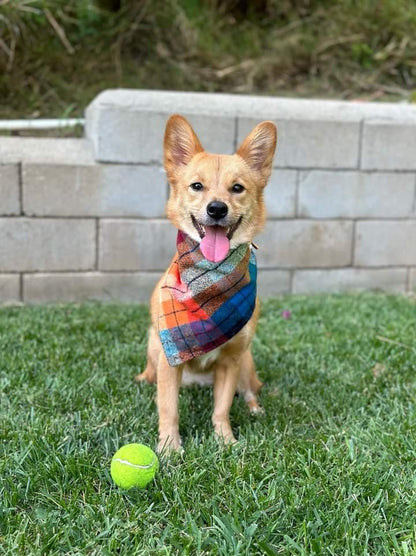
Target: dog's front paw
<point x="169" y="443"/>
<point x="224" y="433"/>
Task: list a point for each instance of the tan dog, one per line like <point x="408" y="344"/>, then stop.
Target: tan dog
<point x="216" y="197"/>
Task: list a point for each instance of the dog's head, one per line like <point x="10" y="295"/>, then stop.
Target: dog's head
<point x="217" y="199"/>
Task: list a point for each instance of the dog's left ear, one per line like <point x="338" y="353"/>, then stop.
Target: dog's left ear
<point x="258" y="148"/>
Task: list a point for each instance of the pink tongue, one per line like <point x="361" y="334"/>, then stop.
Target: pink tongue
<point x="215" y="244"/>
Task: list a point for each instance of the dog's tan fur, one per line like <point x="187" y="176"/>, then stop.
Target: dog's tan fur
<point x="231" y="365"/>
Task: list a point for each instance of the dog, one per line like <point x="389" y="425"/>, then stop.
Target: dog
<point x="204" y="309"/>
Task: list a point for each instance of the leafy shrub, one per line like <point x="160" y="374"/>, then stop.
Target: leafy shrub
<point x="55" y="56"/>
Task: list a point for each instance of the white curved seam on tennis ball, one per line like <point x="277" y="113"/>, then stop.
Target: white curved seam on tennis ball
<point x="125" y="462"/>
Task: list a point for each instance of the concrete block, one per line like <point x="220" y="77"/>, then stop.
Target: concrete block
<point x="87" y="286"/>
<point x="266" y="107"/>
<point x="39" y="150"/>
<point x="306" y="143"/>
<point x="46" y="244"/>
<point x="389" y="145"/>
<point x="128" y="190"/>
<point x="136" y="244"/>
<point x="385" y="243"/>
<point x="94" y="190"/>
<point x="325" y="194"/>
<point x="305" y="244"/>
<point x="9" y="189"/>
<point x="128" y="126"/>
<point x="124" y="136"/>
<point x="61" y="189"/>
<point x="9" y="288"/>
<point x="350" y="279"/>
<point x="280" y="194"/>
<point x="273" y="282"/>
<point x="216" y="133"/>
<point x="275" y="108"/>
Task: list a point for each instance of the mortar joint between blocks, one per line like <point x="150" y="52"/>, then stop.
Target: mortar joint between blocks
<point x="291" y="280"/>
<point x="20" y="183"/>
<point x="235" y="141"/>
<point x="97" y="243"/>
<point x="21" y="292"/>
<point x="360" y="144"/>
<point x="297" y="186"/>
<point x="414" y="198"/>
<point x="353" y="241"/>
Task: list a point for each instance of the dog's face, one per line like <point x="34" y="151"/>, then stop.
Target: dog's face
<point x="217" y="199"/>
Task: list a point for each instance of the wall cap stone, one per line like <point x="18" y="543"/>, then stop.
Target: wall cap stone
<point x="226" y="105"/>
<point x="40" y="150"/>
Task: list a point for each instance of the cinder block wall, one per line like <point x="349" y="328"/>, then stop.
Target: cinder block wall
<point x="85" y="218"/>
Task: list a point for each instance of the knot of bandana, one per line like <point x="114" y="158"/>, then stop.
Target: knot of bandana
<point x="203" y="304"/>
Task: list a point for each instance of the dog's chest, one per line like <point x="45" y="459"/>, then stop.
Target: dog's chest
<point x="207" y="360"/>
<point x="200" y="369"/>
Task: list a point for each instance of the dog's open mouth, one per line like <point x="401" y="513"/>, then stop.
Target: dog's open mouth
<point x="215" y="240"/>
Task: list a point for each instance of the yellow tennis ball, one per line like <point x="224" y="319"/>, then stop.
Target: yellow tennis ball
<point x="134" y="465"/>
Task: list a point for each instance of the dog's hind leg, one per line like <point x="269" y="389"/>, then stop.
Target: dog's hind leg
<point x="153" y="350"/>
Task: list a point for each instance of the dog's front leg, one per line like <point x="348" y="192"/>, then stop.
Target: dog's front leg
<point x="168" y="382"/>
<point x="225" y="384"/>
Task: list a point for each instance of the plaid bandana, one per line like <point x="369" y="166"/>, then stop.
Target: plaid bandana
<point x="203" y="304"/>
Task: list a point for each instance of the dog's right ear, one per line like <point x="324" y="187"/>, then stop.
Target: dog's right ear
<point x="180" y="144"/>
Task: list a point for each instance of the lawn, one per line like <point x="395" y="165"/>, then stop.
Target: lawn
<point x="329" y="469"/>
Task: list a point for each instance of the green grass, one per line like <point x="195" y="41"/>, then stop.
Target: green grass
<point x="330" y="469"/>
<point x="56" y="56"/>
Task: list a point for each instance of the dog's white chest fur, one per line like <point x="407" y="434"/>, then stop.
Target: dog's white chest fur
<point x="199" y="371"/>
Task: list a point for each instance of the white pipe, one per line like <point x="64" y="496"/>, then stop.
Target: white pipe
<point x="18" y="125"/>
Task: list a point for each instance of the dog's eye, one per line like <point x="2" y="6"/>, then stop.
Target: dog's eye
<point x="197" y="186"/>
<point x="237" y="188"/>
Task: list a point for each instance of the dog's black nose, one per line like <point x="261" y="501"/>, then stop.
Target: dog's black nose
<point x="217" y="210"/>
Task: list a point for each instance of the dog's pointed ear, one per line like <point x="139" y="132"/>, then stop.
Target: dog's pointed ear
<point x="258" y="148"/>
<point x="181" y="143"/>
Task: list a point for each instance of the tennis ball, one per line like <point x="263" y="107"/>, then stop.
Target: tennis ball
<point x="134" y="465"/>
